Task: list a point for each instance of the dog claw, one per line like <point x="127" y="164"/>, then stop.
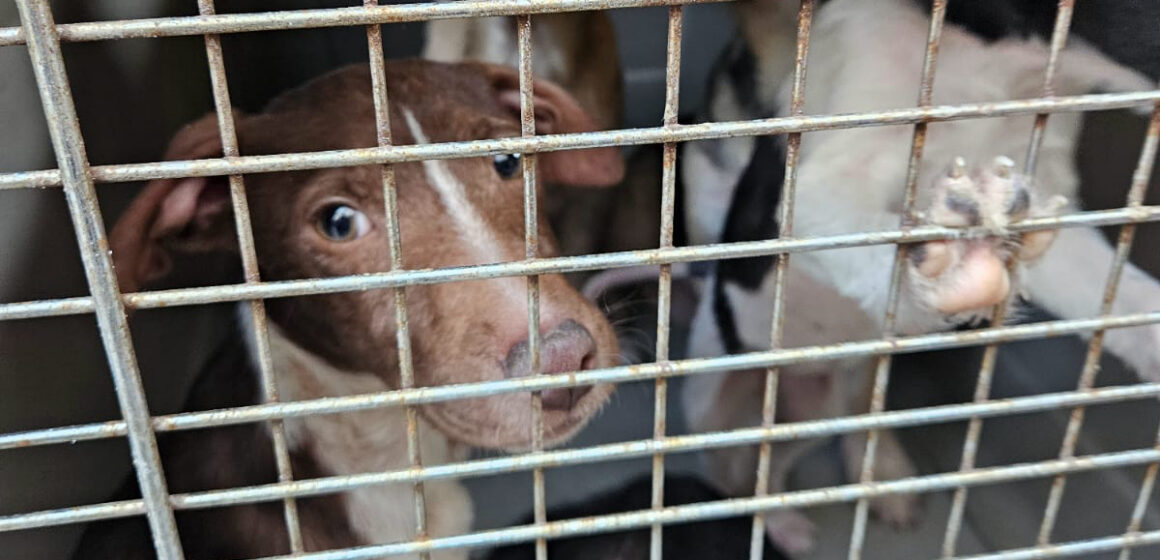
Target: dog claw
<point x="791" y="531"/>
<point x="958" y="168"/>
<point x="1054" y="205"/>
<point x="1003" y="166"/>
<point x="958" y="276"/>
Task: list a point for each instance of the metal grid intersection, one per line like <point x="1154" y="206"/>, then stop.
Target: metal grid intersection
<point x="42" y="38"/>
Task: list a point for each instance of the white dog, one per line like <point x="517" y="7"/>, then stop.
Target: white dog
<point x="867" y="55"/>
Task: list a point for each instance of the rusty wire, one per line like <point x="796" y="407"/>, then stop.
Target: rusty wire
<point x="532" y="250"/>
<point x="785" y="230"/>
<point x="1139" y="182"/>
<point x="882" y="371"/>
<point x="665" y="279"/>
<point x="395" y="249"/>
<point x="259" y="333"/>
<point x="999" y="313"/>
<point x="69" y="147"/>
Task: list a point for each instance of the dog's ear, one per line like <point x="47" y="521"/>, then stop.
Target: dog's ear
<point x="558" y="113"/>
<point x="175" y="215"/>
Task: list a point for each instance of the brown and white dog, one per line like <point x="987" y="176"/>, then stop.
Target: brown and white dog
<point x="578" y="51"/>
<point x="314" y="224"/>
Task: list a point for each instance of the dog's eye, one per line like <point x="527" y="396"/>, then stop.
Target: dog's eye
<point x="507" y="165"/>
<point x="339" y="222"/>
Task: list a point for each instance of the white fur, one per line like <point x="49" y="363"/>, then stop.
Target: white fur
<point x="814" y="314"/>
<point x="708" y="181"/>
<point x="711" y="169"/>
<point x="365" y="442"/>
<point x="867" y="55"/>
<point x="852" y="180"/>
<point x="454" y="196"/>
<point x="493" y="40"/>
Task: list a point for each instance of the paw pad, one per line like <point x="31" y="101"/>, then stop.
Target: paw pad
<point x="962" y="275"/>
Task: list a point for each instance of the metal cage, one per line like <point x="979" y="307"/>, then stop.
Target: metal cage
<point x="78" y="179"/>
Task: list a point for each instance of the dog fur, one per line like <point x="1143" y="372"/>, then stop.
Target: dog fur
<point x="452" y="213"/>
<point x="867" y="55"/>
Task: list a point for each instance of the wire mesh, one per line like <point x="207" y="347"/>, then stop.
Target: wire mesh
<point x="245" y="234"/>
<point x="77" y="179"/>
<point x="395" y="247"/>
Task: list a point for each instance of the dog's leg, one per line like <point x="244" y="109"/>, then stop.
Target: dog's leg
<point x="733" y="471"/>
<point x="801" y="396"/>
<point x="891" y="463"/>
<point x="1069" y="281"/>
<point x="733" y="400"/>
<point x="944" y="282"/>
<point x="970" y="276"/>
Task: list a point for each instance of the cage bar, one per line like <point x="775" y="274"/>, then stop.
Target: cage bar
<point x="805" y="16"/>
<point x="1140" y="180"/>
<point x="665" y="279"/>
<point x="554" y="142"/>
<point x="531" y="251"/>
<point x="1059" y="34"/>
<point x="1087" y="376"/>
<point x="1141" y="507"/>
<point x="291" y="288"/>
<point x="245" y="235"/>
<point x="330" y="17"/>
<point x="69" y="147"/>
<point x="424" y="395"/>
<point x="383" y="138"/>
<point x="594" y="454"/>
<point x="882" y="371"/>
<point x="999" y="313"/>
<point x="747" y="506"/>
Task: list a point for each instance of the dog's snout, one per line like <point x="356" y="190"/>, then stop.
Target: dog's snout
<point x="568" y="347"/>
<point x="563" y="399"/>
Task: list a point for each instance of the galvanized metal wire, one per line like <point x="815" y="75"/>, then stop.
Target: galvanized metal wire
<point x="999" y="313"/>
<point x="531" y="251"/>
<point x="69" y="147"/>
<point x="333" y="17"/>
<point x="882" y="371"/>
<point x="77" y="179"/>
<point x="292" y="288"/>
<point x="245" y="234"/>
<point x="785" y="230"/>
<point x="554" y="142"/>
<point x="395" y="249"/>
<point x="607" y="452"/>
<point x="747" y="506"/>
<point x="665" y="279"/>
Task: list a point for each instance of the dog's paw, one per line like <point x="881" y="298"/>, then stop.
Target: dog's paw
<point x="900" y="511"/>
<point x="791" y="531"/>
<point x="971" y="274"/>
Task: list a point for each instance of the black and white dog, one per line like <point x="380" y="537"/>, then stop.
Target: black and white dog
<point x="867" y="55"/>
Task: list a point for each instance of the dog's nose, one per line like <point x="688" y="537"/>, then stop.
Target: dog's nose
<point x="568" y="347"/>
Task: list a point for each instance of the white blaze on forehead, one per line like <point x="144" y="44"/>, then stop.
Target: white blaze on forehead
<point x="453" y="193"/>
